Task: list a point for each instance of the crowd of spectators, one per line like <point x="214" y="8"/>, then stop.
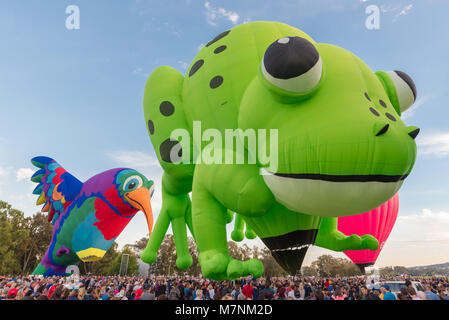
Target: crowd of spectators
<point x="190" y="288"/>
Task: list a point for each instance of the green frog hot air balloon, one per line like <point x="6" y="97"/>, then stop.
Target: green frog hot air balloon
<point x="340" y="145"/>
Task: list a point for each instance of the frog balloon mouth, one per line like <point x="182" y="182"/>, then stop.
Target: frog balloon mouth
<point x="344" y="178"/>
<point x="332" y="195"/>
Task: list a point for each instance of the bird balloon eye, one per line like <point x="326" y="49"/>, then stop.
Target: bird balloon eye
<point x="292" y="64"/>
<point x="133" y="183"/>
<point x="151" y="190"/>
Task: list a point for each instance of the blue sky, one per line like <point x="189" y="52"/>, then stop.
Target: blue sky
<point x="76" y="95"/>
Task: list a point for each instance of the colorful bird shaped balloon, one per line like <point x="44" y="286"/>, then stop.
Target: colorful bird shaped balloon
<point x="87" y="217"/>
<point x="378" y="222"/>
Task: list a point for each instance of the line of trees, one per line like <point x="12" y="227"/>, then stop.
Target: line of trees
<point x="424" y="271"/>
<point x="24" y="241"/>
<point x="329" y="266"/>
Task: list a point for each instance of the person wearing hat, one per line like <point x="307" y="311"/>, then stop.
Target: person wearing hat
<point x="248" y="290"/>
<point x="386" y="293"/>
<point x="12" y="293"/>
<point x="139" y="293"/>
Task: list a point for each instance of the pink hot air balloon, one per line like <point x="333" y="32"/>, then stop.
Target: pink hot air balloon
<point x="378" y="222"/>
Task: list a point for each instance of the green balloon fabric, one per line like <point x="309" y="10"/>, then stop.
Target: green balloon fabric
<point x="331" y="126"/>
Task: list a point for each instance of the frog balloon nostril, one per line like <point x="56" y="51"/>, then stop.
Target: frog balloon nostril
<point x="380" y="128"/>
<point x="414" y="131"/>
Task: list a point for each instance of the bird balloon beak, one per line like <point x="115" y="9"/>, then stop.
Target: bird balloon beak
<point x="140" y="200"/>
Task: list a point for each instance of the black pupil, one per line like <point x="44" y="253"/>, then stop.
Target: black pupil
<point x="132" y="185"/>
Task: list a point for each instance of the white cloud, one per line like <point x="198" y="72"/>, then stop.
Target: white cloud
<point x="134" y="159"/>
<point x="397" y="10"/>
<point x="137" y="70"/>
<point x="435" y="144"/>
<point x="214" y="14"/>
<point x="24" y="174"/>
<point x="426" y="226"/>
<point x="405" y="10"/>
<point x="427" y="215"/>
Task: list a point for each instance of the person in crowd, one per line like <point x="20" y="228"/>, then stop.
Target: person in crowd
<point x="199" y="294"/>
<point x="446" y="293"/>
<point x="73" y="295"/>
<point x="148" y="294"/>
<point x="235" y="293"/>
<point x="89" y="294"/>
<point x="302" y="291"/>
<point x="327" y="294"/>
<point x="188" y="291"/>
<point x="241" y="296"/>
<point x="373" y="295"/>
<point x="421" y="295"/>
<point x="210" y="291"/>
<point x="265" y="293"/>
<point x="81" y="293"/>
<point x="386" y="293"/>
<point x="175" y="293"/>
<point x="430" y="294"/>
<point x="412" y="293"/>
<point x="403" y="294"/>
<point x="248" y="290"/>
<point x="162" y="297"/>
<point x="338" y="295"/>
<point x="318" y="295"/>
<point x="12" y="294"/>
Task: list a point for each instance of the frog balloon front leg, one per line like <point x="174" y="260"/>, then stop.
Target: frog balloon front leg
<point x="247" y="194"/>
<point x="330" y="238"/>
<point x="176" y="209"/>
<point x="239" y="225"/>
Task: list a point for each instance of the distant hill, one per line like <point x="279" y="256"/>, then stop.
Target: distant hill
<point x="432" y="266"/>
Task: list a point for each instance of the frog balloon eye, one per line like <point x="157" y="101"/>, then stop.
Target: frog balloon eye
<point x="405" y="89"/>
<point x="292" y="64"/>
<point x="400" y="89"/>
<point x="133" y="183"/>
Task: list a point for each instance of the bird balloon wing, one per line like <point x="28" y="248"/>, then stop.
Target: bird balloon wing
<point x="56" y="187"/>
